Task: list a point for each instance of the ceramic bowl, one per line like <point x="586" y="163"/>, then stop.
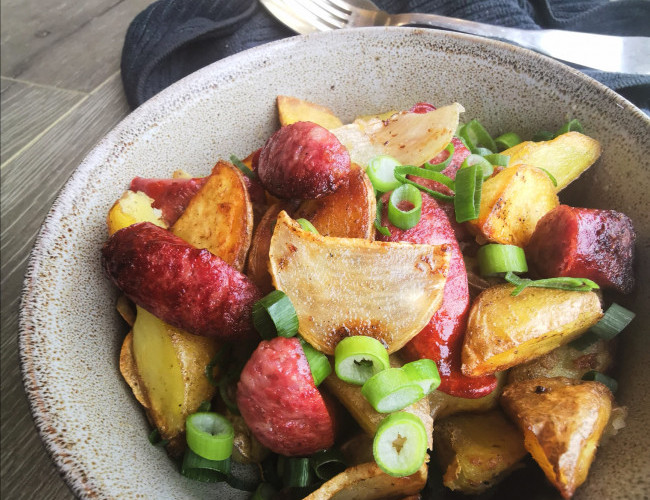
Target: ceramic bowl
<point x="70" y="334"/>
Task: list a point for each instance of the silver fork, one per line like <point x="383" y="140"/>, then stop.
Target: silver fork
<point x="604" y="52"/>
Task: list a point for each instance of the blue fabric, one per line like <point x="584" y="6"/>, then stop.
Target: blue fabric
<point x="173" y="38"/>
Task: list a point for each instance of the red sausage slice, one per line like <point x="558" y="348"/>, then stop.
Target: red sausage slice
<point x="442" y="339"/>
<point x="584" y="243"/>
<point x="188" y="288"/>
<point x="278" y="400"/>
<point x="169" y="195"/>
<point x="303" y="160"/>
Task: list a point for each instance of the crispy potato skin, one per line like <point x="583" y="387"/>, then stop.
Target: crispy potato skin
<point x="303" y="160"/>
<point x="292" y="110"/>
<point x="477" y="450"/>
<point x="562" y="421"/>
<point x="504" y="331"/>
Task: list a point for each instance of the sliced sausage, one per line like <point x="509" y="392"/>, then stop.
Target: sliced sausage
<point x="442" y="339"/>
<point x="171" y="196"/>
<point x="281" y="405"/>
<point x="303" y="160"/>
<point x="188" y="288"/>
<point x="584" y="243"/>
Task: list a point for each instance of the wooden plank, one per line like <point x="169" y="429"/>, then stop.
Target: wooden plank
<point x="30" y="183"/>
<point x="84" y="57"/>
<point x="28" y="110"/>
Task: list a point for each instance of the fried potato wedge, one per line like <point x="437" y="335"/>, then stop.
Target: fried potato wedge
<point x="133" y="207"/>
<point x="368" y="419"/>
<point x="369" y="482"/>
<point x="566" y="157"/>
<point x="292" y="110"/>
<point x="562" y="421"/>
<point x="477" y="450"/>
<point x="566" y="361"/>
<point x="512" y="202"/>
<point x="347" y="286"/>
<point x="442" y="405"/>
<point x="411" y="138"/>
<point x="349" y="212"/>
<point x="126" y="309"/>
<point x="504" y="331"/>
<point x="219" y="216"/>
<point x="170" y="367"/>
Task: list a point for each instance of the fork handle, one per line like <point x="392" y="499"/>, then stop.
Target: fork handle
<point x="603" y="52"/>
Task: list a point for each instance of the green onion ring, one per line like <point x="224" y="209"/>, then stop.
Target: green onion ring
<point x="328" y="463"/>
<point x="400" y="444"/>
<point x="243" y="167"/>
<point x="209" y="435"/>
<point x="358" y="358"/>
<point x="467" y="202"/>
<point x="570" y="126"/>
<point x="423" y="372"/>
<point x="439" y="167"/>
<point x="506" y="141"/>
<point x="391" y="390"/>
<point x="382" y="229"/>
<point x="403" y="171"/>
<point x="318" y="363"/>
<point x="498" y="160"/>
<point x="405" y="219"/>
<point x="475" y="136"/>
<point x="560" y="283"/>
<point x="616" y="318"/>
<point x="201" y="469"/>
<point x="307" y="226"/>
<point x="494" y="259"/>
<point x="596" y="376"/>
<point x="381" y="172"/>
<point x="275" y="315"/>
<point x="482" y="162"/>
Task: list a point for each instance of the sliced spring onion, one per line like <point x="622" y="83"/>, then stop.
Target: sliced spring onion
<point x="498" y="159"/>
<point x="400" y="444"/>
<point x="318" y="363"/>
<point x="405" y="219"/>
<point x="494" y="259"/>
<point x="506" y="141"/>
<point x="562" y="283"/>
<point x="275" y="315"/>
<point x="381" y="172"/>
<point x="403" y="171"/>
<point x="550" y="176"/>
<point x="391" y="390"/>
<point x="264" y="491"/>
<point x="209" y="435"/>
<point x="296" y="472"/>
<point x="328" y="463"/>
<point x="243" y="167"/>
<point x="483" y="151"/>
<point x="204" y="406"/>
<point x="358" y="358"/>
<point x="570" y="126"/>
<point x="475" y="135"/>
<point x="584" y="341"/>
<point x="307" y="226"/>
<point x="616" y="318"/>
<point x="382" y="229"/>
<point x="483" y="163"/>
<point x="219" y="359"/>
<point x="423" y="372"/>
<point x="227" y="385"/>
<point x="201" y="469"/>
<point x="596" y="376"/>
<point x="467" y="202"/>
<point x="439" y="167"/>
<point x="156" y="439"/>
<point x="543" y="135"/>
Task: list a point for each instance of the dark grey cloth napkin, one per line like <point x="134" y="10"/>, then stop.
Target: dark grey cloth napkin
<point x="172" y="38"/>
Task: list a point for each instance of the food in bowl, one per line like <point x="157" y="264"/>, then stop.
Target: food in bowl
<point x="363" y="237"/>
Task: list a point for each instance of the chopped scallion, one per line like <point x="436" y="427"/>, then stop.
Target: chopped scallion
<point x="467" y="202"/>
<point x="482" y="162"/>
<point x="156" y="439"/>
<point x="498" y="160"/>
<point x="543" y="135"/>
<point x="381" y="172"/>
<point x="405" y="218"/>
<point x="403" y="171"/>
<point x="275" y="315"/>
<point x="382" y="229"/>
<point x="616" y="318"/>
<point x="561" y="283"/>
<point x="201" y="469"/>
<point x="439" y="167"/>
<point x="475" y="136"/>
<point x="243" y="167"/>
<point x="209" y="435"/>
<point x="494" y="259"/>
<point x="570" y="126"/>
<point x="296" y="472"/>
<point x="423" y="372"/>
<point x="391" y="390"/>
<point x="307" y="226"/>
<point x="328" y="463"/>
<point x="550" y="176"/>
<point x="400" y="444"/>
<point x="596" y="376"/>
<point x="506" y="141"/>
<point x="358" y="358"/>
<point x="318" y="363"/>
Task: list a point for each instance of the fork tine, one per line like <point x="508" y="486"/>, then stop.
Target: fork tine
<point x="326" y="12"/>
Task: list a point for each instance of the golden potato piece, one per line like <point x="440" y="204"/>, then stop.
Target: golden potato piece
<point x="219" y="216"/>
<point x="443" y="405"/>
<point x="130" y="372"/>
<point x="348" y="286"/>
<point x="562" y="421"/>
<point x="504" y="331"/>
<point x="566" y="361"/>
<point x="511" y="204"/>
<point x="369" y="482"/>
<point x="349" y="212"/>
<point x="566" y="157"/>
<point x="411" y="138"/>
<point x="170" y="366"/>
<point x="133" y="207"/>
<point x="477" y="450"/>
<point x="292" y="109"/>
<point x="368" y="419"/>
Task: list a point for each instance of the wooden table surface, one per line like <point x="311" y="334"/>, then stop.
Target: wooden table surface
<point x="61" y="92"/>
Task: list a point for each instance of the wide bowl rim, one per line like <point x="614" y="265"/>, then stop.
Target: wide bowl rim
<point x="74" y="474"/>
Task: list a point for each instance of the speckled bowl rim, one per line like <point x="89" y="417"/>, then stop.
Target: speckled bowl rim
<point x="172" y="99"/>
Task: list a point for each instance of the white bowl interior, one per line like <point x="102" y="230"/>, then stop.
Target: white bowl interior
<point x="71" y="334"/>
